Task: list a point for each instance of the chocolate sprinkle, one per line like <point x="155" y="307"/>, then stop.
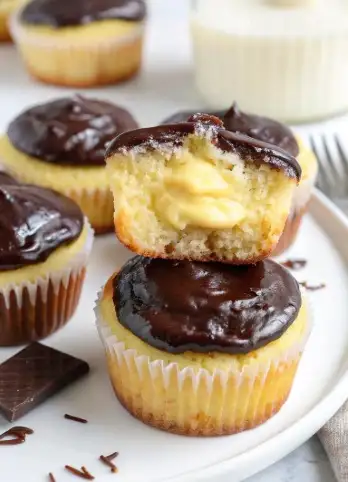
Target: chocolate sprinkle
<point x="51" y="477"/>
<point x="107" y="460"/>
<point x="295" y="264"/>
<point x="15" y="435"/>
<point x="75" y="419"/>
<point x="83" y="473"/>
<point x="312" y="287"/>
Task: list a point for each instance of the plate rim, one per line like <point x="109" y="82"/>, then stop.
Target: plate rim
<point x="283" y="443"/>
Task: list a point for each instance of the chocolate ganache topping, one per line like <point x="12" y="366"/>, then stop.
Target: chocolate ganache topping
<point x="34" y="221"/>
<point x="262" y="128"/>
<point x="248" y="148"/>
<point x="69" y="131"/>
<point x="180" y="306"/>
<point x="62" y="13"/>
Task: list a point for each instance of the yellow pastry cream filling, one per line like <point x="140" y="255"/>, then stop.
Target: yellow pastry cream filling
<point x="210" y="361"/>
<point x="199" y="186"/>
<point x="57" y="260"/>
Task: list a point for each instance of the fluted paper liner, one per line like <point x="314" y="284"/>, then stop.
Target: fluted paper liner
<point x="298" y="209"/>
<point x="97" y="205"/>
<point x="196" y="401"/>
<point x="31" y="311"/>
<point x="78" y="64"/>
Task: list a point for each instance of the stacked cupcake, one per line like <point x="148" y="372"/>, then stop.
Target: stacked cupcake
<point x="203" y="334"/>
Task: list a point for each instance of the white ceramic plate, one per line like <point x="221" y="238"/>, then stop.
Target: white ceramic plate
<point x="150" y="455"/>
<point x="164" y="87"/>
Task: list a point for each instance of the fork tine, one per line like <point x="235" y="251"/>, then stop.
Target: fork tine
<point x="322" y="182"/>
<point x="332" y="164"/>
<point x="344" y="162"/>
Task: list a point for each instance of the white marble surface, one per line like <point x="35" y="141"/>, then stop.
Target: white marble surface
<point x="308" y="463"/>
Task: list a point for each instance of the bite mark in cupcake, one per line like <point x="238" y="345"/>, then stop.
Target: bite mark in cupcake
<point x="186" y="190"/>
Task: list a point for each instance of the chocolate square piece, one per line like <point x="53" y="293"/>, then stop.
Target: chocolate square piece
<point x="34" y="374"/>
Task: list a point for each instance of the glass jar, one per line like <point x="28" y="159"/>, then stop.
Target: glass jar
<point x="284" y="59"/>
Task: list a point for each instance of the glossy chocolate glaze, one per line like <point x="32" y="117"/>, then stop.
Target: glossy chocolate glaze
<point x="173" y="135"/>
<point x="262" y="128"/>
<point x="62" y="13"/>
<point x="69" y="131"/>
<point x="178" y="306"/>
<point x="34" y="221"/>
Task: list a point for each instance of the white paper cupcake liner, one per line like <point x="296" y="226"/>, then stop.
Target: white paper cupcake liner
<point x="205" y="402"/>
<point x="32" y="310"/>
<point x="97" y="204"/>
<point x="300" y="72"/>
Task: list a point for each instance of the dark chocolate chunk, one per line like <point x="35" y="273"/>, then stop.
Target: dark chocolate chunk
<point x="33" y="375"/>
<point x="179" y="306"/>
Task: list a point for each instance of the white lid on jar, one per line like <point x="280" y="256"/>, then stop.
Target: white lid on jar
<point x="273" y="17"/>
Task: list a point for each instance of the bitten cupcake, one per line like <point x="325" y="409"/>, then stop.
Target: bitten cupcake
<point x="44" y="246"/>
<point x="202" y="348"/>
<point x="81" y="43"/>
<point x="194" y="190"/>
<point x="61" y="145"/>
<point x="273" y="132"/>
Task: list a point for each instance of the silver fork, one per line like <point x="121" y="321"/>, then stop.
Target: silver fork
<point x="332" y="156"/>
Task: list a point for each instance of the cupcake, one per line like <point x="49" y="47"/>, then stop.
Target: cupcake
<point x="7" y="7"/>
<point x="202" y="348"/>
<point x="61" y="145"/>
<point x="44" y="245"/>
<point x="81" y="43"/>
<point x="273" y="132"/>
<point x="194" y="190"/>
